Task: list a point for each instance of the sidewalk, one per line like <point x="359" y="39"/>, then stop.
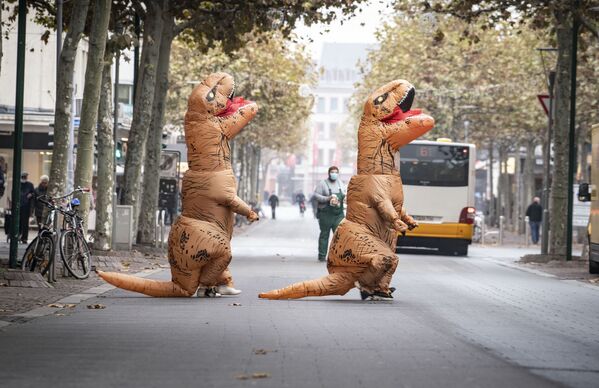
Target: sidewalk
<point x="22" y="291"/>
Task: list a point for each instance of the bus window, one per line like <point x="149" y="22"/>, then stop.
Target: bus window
<point x="434" y="165"/>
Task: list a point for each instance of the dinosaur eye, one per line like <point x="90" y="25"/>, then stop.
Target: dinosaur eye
<point x="380" y="99"/>
<point x="210" y="96"/>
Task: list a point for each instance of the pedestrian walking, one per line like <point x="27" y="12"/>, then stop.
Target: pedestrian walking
<point x="329" y="194"/>
<point x="40" y="191"/>
<point x="273" y="200"/>
<point x="300" y="198"/>
<point x="534" y="212"/>
<point x="27" y="197"/>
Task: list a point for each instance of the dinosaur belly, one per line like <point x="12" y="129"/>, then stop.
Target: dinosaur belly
<point x="363" y="191"/>
<point x="205" y="195"/>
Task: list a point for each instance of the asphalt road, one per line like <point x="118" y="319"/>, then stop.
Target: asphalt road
<point x="456" y="322"/>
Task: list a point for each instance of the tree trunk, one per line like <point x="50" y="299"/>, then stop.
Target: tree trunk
<point x="1" y="39"/>
<point x="517" y="197"/>
<point x="500" y="185"/>
<point x="492" y="202"/>
<point x="242" y="167"/>
<point x="64" y="98"/>
<point x="528" y="178"/>
<point x="142" y="110"/>
<point x="559" y="191"/>
<point x="84" y="170"/>
<point x="151" y="177"/>
<point x="104" y="194"/>
<point x="582" y="134"/>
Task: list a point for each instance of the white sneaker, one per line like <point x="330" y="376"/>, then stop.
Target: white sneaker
<point x="226" y="290"/>
<point x="207" y="292"/>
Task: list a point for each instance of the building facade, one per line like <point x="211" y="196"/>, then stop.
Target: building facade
<point x="40" y="100"/>
<point x="332" y="128"/>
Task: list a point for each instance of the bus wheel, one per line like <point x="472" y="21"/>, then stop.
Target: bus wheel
<point x="457" y="248"/>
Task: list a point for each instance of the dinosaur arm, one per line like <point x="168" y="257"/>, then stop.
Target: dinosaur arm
<point x="233" y="124"/>
<point x="239" y="206"/>
<point x="407" y="219"/>
<point x="388" y="213"/>
<point x="403" y="132"/>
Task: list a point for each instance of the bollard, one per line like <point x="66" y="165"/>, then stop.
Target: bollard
<point x="527" y="229"/>
<point x="501" y="219"/>
<point x="162" y="217"/>
<point x="482" y="229"/>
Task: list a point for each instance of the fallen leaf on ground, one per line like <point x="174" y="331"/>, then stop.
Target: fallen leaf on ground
<point x="60" y="314"/>
<point x="164" y="265"/>
<point x="96" y="306"/>
<point x="596" y="280"/>
<point x="125" y="263"/>
<point x="70" y="305"/>
<point x="5" y="311"/>
<point x="255" y="375"/>
<point x="264" y="351"/>
<point x="3" y="284"/>
<point x="56" y="305"/>
<point x="235" y="304"/>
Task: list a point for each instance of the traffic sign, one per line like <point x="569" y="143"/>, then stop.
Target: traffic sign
<point x="544" y="100"/>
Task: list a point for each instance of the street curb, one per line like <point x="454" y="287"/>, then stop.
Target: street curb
<point x="544" y="274"/>
<point x="73" y="299"/>
<point x="515" y="266"/>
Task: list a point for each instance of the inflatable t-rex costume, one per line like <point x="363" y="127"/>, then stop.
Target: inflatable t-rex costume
<point x="199" y="242"/>
<point x="362" y="251"/>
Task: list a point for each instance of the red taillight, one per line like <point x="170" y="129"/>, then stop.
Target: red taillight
<point x="467" y="215"/>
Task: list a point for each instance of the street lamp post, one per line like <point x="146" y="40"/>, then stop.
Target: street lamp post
<point x="546" y="154"/>
<point x="18" y="135"/>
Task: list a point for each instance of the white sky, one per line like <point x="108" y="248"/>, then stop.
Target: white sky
<point x="352" y="31"/>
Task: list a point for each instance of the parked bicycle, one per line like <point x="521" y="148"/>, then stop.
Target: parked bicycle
<point x="74" y="249"/>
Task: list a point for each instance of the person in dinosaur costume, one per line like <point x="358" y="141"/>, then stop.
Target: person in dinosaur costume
<point x="199" y="249"/>
<point x="362" y="252"/>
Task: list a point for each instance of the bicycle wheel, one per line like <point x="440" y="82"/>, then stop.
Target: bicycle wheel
<point x="39" y="255"/>
<point x="75" y="254"/>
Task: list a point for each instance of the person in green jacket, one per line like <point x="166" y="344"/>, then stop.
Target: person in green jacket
<point x="330" y="195"/>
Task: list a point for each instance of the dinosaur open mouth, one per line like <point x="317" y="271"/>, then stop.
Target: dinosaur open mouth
<point x="402" y="109"/>
<point x="233" y="105"/>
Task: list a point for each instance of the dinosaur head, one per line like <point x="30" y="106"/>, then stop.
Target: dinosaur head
<point x="391" y="104"/>
<point x="214" y="116"/>
<point x="215" y="96"/>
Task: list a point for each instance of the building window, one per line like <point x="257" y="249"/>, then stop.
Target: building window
<point x="345" y="105"/>
<point x="320" y="108"/>
<point x="334" y="104"/>
<point x="332" y="129"/>
<point x="321" y="160"/>
<point x="126" y="94"/>
<point x="331" y="156"/>
<point x="319" y="130"/>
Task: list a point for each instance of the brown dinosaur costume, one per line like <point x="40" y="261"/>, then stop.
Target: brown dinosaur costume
<point x="199" y="242"/>
<point x="362" y="251"/>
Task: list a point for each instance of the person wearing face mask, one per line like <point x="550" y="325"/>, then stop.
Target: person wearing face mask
<point x="329" y="194"/>
<point x="27" y="194"/>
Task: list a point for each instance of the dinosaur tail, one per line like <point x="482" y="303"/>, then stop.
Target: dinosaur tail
<point x="333" y="284"/>
<point x="150" y="287"/>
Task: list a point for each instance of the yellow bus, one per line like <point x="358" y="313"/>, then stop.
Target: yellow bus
<point x="438" y="184"/>
<point x="589" y="193"/>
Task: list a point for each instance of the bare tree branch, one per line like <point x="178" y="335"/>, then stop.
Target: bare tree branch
<point x="589" y="25"/>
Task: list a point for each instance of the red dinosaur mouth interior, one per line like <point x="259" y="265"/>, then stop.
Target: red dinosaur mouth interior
<point x="233" y="106"/>
<point x="398" y="115"/>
